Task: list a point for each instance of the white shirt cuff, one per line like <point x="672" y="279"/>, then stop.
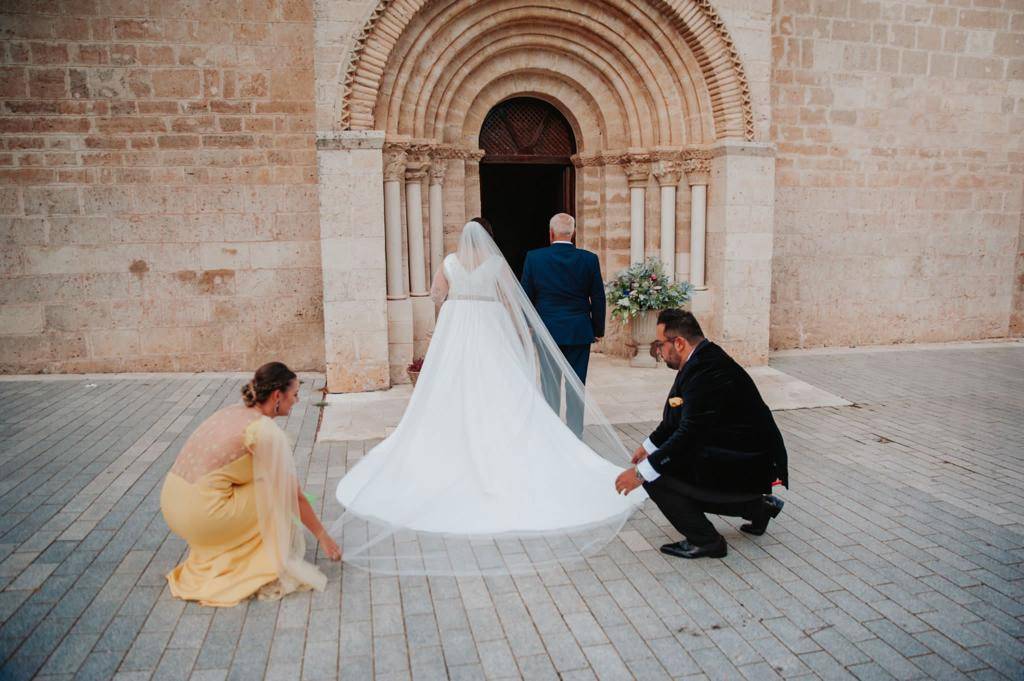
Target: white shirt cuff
<point x="649" y="446"/>
<point x="647" y="471"/>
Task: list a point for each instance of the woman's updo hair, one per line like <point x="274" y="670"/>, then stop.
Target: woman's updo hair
<point x="268" y="378"/>
<point x="483" y="222"/>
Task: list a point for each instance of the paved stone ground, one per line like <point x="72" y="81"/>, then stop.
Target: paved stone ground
<point x="899" y="554"/>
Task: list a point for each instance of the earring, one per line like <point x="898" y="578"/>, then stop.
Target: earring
<point x="277" y="407"/>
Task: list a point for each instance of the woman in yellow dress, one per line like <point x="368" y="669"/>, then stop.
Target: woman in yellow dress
<point x="234" y="496"/>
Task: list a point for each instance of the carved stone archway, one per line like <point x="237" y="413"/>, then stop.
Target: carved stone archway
<point x="654" y="91"/>
<point x="695" y="21"/>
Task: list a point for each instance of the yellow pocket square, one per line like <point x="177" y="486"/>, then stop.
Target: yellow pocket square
<point x="675" y="401"/>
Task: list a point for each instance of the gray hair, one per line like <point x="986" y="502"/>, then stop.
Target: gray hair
<point x="563" y="224"/>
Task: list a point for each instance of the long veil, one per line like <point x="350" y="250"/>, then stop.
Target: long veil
<point x="396" y="544"/>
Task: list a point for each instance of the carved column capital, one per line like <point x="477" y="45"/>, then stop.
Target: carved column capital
<point x="438" y="168"/>
<point x="698" y="170"/>
<point x="394" y="166"/>
<point x="667" y="173"/>
<point x="416" y="170"/>
<point x="638" y="168"/>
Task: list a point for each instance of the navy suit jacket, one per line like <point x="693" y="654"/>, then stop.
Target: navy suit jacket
<point x="564" y="284"/>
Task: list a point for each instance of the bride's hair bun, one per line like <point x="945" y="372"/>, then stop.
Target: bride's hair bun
<point x="249" y="394"/>
<point x="269" y="377"/>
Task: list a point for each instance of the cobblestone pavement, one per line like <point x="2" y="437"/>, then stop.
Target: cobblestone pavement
<point x="899" y="553"/>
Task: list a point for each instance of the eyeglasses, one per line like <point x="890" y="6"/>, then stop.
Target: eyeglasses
<point x="656" y="346"/>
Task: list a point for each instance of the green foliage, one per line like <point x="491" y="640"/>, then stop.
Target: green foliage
<point x="644" y="286"/>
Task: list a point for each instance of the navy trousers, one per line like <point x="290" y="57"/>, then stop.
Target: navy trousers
<point x="578" y="357"/>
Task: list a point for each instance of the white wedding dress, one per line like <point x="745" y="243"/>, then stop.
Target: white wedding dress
<point x="481" y="475"/>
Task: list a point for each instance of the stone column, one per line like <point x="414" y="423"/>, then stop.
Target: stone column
<point x="394" y="173"/>
<point x="422" y="306"/>
<point x="352" y="252"/>
<point x="697" y="176"/>
<point x="667" y="173"/>
<point x="400" y="326"/>
<point x="637" y="172"/>
<point x="415" y="171"/>
<point x="437" y="173"/>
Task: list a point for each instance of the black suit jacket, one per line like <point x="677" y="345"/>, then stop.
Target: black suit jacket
<point x="721" y="436"/>
<point x="564" y="284"/>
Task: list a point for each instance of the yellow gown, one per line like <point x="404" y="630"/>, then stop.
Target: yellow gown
<point x="211" y="500"/>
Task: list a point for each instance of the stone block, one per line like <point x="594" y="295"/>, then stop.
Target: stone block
<point x="227" y="256"/>
<point x="51" y="201"/>
<point x="285" y="254"/>
<point x="114" y="343"/>
<point x="164" y="341"/>
<point x="21" y="319"/>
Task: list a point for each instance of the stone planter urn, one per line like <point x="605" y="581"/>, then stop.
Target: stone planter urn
<point x="414" y="369"/>
<point x="643" y="329"/>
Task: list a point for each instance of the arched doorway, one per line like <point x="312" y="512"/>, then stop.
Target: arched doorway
<point x="526" y="175"/>
<point x="661" y="132"/>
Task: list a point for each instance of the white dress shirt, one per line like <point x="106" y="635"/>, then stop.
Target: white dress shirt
<point x="646" y="469"/>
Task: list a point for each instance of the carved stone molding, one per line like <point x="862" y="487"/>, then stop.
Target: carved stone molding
<point x="611" y="158"/>
<point x="428" y="150"/>
<point x="696" y="22"/>
<point x="697" y="154"/>
<point x="411" y="147"/>
<point x="663" y="160"/>
<point x="585" y="161"/>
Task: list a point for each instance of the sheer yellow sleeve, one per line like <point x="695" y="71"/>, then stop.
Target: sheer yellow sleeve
<point x="249" y="436"/>
<point x="277" y="504"/>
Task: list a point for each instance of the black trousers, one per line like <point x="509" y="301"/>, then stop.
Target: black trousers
<point x="685" y="505"/>
<point x="578" y="357"/>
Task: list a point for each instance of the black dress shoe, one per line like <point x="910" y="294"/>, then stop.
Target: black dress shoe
<point x="684" y="549"/>
<point x="770" y="508"/>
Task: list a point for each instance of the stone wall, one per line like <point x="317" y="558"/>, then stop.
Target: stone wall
<point x="1017" y="313"/>
<point x="159" y="204"/>
<point x="158" y="197"/>
<point x="900" y="133"/>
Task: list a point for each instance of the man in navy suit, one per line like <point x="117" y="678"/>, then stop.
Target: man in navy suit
<point x="564" y="283"/>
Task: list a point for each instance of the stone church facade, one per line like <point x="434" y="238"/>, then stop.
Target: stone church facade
<point x="206" y="185"/>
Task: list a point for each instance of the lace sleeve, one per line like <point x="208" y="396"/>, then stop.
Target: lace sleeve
<point x="439" y="289"/>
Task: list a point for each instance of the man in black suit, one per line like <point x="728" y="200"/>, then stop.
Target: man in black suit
<point x="717" y="448"/>
<point x="564" y="284"/>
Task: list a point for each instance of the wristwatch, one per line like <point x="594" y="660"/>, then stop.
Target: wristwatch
<point x="639" y="478"/>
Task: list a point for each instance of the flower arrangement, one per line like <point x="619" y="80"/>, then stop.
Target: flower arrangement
<point x="644" y="286"/>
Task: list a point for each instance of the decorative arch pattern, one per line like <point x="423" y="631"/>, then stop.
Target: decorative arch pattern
<point x="665" y="70"/>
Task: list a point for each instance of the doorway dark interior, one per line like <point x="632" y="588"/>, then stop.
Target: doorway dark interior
<point x="526" y="175"/>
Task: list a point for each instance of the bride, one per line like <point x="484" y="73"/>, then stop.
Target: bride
<point x="481" y="476"/>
